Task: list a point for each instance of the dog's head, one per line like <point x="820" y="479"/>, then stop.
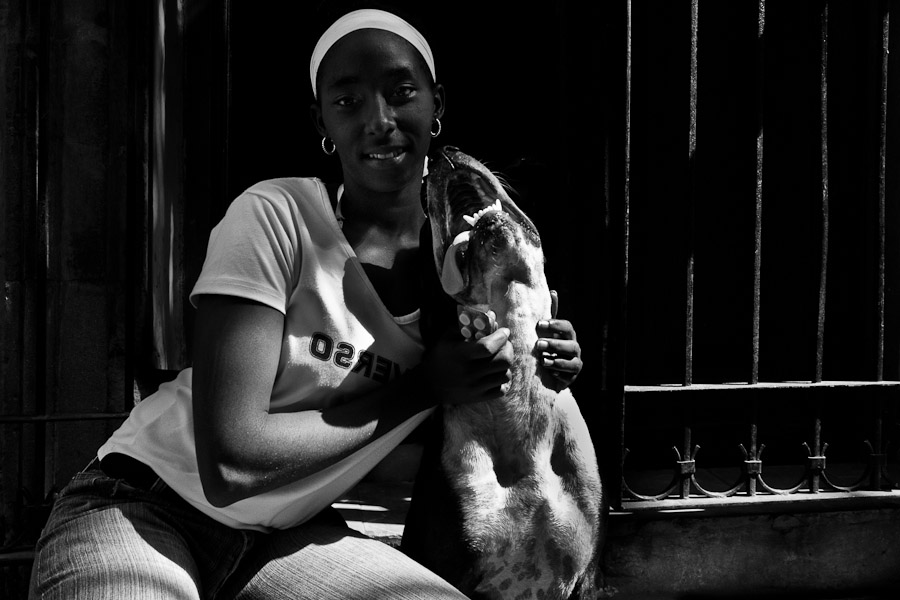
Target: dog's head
<point x="487" y="252"/>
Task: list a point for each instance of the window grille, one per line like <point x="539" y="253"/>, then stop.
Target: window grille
<point x="753" y="305"/>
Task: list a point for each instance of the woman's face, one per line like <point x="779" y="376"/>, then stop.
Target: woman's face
<point x="377" y="103"/>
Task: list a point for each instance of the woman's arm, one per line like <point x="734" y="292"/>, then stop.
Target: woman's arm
<point x="243" y="450"/>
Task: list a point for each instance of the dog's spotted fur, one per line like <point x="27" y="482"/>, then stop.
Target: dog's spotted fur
<point x="511" y="505"/>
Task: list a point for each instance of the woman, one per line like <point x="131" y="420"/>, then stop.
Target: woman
<point x="308" y="370"/>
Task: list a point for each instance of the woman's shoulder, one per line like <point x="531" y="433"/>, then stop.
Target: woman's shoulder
<point x="290" y="195"/>
<point x="300" y="189"/>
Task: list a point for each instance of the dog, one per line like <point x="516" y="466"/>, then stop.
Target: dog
<point x="508" y="502"/>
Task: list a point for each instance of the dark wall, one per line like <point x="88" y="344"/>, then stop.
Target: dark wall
<point x="73" y="219"/>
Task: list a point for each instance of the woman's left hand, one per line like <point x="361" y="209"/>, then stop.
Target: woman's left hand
<point x="558" y="348"/>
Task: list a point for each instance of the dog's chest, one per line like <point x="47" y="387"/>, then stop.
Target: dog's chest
<point x="527" y="529"/>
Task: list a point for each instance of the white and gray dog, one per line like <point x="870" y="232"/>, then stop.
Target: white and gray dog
<point x="508" y="502"/>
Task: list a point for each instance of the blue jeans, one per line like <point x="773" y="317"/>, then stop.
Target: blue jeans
<point x="107" y="539"/>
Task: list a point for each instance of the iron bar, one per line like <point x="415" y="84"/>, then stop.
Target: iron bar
<point x="757" y="229"/>
<point x="692" y="168"/>
<point x="58" y="417"/>
<point x="763" y="385"/>
<point x="823" y="117"/>
<point x="828" y="502"/>
<point x="167" y="186"/>
<point x="626" y="187"/>
<point x="618" y="330"/>
<point x="618" y="191"/>
<point x="752" y="459"/>
<point x="227" y="98"/>
<point x="816" y="455"/>
<point x="882" y="169"/>
<point x="877" y="457"/>
<point x="687" y="466"/>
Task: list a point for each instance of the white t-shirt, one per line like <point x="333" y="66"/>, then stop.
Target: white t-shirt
<point x="280" y="244"/>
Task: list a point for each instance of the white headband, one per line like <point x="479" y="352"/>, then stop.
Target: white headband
<point x="368" y="19"/>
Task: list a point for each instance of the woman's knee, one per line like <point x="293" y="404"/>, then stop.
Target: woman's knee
<point x="335" y="563"/>
<point x="108" y="553"/>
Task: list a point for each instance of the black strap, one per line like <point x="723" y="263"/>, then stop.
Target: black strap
<point x="332" y="190"/>
<point x="136" y="473"/>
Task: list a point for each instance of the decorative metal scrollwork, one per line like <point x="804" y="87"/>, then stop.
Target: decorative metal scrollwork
<point x="684" y="481"/>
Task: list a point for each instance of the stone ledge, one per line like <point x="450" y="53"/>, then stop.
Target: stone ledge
<point x="786" y="554"/>
<point x="737" y="549"/>
<point x="377" y="509"/>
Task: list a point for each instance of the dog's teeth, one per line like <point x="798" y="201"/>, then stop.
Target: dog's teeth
<point x="497" y="206"/>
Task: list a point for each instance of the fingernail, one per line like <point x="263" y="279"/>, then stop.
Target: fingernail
<point x="547" y="362"/>
<point x="543" y="344"/>
<point x="543" y="323"/>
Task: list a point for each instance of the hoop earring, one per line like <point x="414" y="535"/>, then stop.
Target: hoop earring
<point x="326" y="150"/>
<point x="434" y="134"/>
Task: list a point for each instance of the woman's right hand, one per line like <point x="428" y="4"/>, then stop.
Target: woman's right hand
<point x="456" y="371"/>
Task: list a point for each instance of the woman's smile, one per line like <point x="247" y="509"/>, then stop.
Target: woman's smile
<point x="393" y="156"/>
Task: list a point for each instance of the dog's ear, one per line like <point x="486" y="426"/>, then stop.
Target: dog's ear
<point x="438" y="309"/>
